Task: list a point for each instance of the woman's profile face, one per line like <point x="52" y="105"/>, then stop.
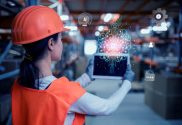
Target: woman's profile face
<point x="58" y="48"/>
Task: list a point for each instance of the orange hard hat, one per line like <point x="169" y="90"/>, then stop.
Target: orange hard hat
<point x="35" y="23"/>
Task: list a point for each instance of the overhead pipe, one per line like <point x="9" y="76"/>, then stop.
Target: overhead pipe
<point x="9" y="74"/>
<point x="5" y="52"/>
<point x="3" y="7"/>
<point x="32" y="2"/>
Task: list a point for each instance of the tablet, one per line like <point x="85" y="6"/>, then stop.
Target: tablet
<point x="110" y="66"/>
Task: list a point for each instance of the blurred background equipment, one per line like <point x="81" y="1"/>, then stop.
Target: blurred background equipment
<point x="156" y="43"/>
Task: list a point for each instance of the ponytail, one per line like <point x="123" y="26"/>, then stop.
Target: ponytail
<point x="29" y="72"/>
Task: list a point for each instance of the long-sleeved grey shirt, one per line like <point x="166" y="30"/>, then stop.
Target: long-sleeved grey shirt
<point x="88" y="103"/>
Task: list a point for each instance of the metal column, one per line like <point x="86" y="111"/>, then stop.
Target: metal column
<point x="31" y="2"/>
<point x="180" y="36"/>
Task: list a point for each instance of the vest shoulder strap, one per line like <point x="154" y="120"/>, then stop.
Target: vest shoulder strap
<point x="66" y="90"/>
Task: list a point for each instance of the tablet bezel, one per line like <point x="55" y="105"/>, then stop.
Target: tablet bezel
<point x="109" y="77"/>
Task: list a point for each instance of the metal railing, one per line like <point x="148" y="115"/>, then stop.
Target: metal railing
<point x="9" y="74"/>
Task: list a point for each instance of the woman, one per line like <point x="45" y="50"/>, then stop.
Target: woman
<point x="39" y="98"/>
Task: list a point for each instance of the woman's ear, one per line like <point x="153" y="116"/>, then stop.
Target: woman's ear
<point x="51" y="44"/>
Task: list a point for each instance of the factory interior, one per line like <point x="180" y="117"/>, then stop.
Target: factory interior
<point x="153" y="33"/>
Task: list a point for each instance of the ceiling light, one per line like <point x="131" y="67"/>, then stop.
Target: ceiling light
<point x="90" y="47"/>
<point x="108" y="17"/>
<point x="72" y="27"/>
<point x="11" y="3"/>
<point x="64" y="17"/>
<point x="146" y="30"/>
<point x="159" y="28"/>
<point x="101" y="28"/>
<point x="5" y="30"/>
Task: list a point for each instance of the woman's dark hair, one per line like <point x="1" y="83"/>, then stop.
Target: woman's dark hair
<point x="29" y="72"/>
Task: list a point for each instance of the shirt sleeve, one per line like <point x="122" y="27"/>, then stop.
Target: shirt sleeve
<point x="93" y="105"/>
<point x="84" y="80"/>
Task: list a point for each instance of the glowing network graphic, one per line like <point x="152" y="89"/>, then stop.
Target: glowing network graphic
<point x="113" y="43"/>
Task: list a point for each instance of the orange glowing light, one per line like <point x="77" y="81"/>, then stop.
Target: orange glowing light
<point x="113" y="45"/>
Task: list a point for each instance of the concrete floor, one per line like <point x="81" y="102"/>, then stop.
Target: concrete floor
<point x="132" y="110"/>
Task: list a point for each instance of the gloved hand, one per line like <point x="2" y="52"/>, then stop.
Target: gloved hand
<point x="129" y="74"/>
<point x="89" y="69"/>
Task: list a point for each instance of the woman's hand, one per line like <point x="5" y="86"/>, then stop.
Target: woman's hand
<point x="129" y="74"/>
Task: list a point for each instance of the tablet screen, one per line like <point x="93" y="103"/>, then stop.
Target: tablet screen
<point x="109" y="67"/>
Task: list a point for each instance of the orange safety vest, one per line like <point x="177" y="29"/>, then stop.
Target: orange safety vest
<point x="46" y="107"/>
